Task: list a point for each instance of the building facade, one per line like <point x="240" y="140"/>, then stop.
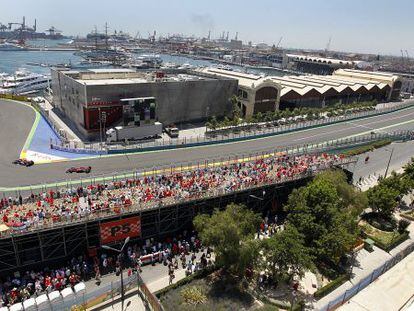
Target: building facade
<point x="180" y="96"/>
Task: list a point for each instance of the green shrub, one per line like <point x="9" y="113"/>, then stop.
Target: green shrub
<point x="367" y="148"/>
<point x="331" y="286"/>
<point x="193" y="295"/>
<point x="197" y="275"/>
<point x="403" y="225"/>
<point x="299" y="306"/>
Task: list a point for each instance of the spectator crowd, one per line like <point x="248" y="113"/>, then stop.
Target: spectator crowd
<point x="184" y="247"/>
<point x="98" y="200"/>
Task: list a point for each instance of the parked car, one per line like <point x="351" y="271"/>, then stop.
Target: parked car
<point x="23" y="162"/>
<point x="81" y="169"/>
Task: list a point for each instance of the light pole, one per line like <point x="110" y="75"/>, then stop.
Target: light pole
<point x="389" y="161"/>
<point x="100" y="124"/>
<point x="103" y="121"/>
<point x="120" y="252"/>
<point x="258" y="198"/>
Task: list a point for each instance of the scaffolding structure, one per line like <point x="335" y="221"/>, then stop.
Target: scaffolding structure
<point x="50" y="246"/>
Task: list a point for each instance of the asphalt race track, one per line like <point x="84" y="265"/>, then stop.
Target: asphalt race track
<point x="11" y="176"/>
<point x="16" y="121"/>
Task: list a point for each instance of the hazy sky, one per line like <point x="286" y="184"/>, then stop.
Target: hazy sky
<point x="376" y="26"/>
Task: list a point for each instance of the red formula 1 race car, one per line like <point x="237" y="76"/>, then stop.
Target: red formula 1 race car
<point x="81" y="169"/>
<point x="23" y="162"/>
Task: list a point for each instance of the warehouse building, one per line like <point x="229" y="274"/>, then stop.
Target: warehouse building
<point x="261" y="94"/>
<point x="83" y="96"/>
<point x="255" y="93"/>
<point x="321" y="65"/>
<point x="190" y="96"/>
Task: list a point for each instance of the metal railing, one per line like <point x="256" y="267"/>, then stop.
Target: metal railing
<point x="45" y="114"/>
<point x="326" y="146"/>
<point x="210" y="194"/>
<point x="349" y="293"/>
<point x="265" y="130"/>
<point x="90" y="298"/>
<point x="151" y="300"/>
<point x="124" y="210"/>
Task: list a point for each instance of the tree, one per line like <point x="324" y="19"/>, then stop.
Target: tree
<point x="351" y="199"/>
<point x="229" y="232"/>
<point x="382" y="199"/>
<point x="409" y="172"/>
<point x="286" y="254"/>
<point x="400" y="183"/>
<point x="213" y="124"/>
<point x="236" y="112"/>
<point x="319" y="212"/>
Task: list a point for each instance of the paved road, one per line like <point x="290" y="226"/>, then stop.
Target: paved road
<point x="16" y="121"/>
<point x="378" y="160"/>
<point x="45" y="173"/>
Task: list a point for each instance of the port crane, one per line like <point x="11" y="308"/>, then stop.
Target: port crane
<point x="278" y="43"/>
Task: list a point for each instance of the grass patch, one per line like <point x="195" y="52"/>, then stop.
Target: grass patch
<point x="215" y="292"/>
<point x="331" y="286"/>
<point x="408" y="215"/>
<point x="367" y="148"/>
<point x="268" y="307"/>
<point x="385" y="240"/>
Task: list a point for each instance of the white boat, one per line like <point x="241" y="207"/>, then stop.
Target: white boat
<point x="150" y="58"/>
<point x="186" y="66"/>
<point x="23" y="83"/>
<point x="10" y="47"/>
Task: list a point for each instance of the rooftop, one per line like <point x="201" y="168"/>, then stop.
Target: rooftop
<point x="130" y="76"/>
<point x="339" y="81"/>
<point x="245" y="79"/>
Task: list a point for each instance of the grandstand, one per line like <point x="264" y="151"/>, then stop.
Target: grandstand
<point x="57" y="224"/>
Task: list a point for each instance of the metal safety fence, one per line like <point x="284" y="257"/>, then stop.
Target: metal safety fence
<point x="125" y="210"/>
<point x="326" y="146"/>
<point x="349" y="293"/>
<point x="110" y="182"/>
<point x="263" y="129"/>
<point x="98" y="295"/>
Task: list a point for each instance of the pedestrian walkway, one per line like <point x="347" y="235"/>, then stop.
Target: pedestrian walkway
<point x="365" y="264"/>
<point x="390" y="292"/>
<point x="132" y="302"/>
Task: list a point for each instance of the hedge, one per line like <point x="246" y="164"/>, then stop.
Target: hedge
<point x="331" y="286"/>
<point x="387" y="247"/>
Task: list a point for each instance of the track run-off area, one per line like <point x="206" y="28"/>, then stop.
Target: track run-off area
<point x="16" y="130"/>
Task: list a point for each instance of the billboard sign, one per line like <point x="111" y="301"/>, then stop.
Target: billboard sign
<point x="119" y="230"/>
<point x="139" y="111"/>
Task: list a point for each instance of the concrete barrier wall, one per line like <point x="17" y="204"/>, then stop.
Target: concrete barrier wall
<point x="204" y="142"/>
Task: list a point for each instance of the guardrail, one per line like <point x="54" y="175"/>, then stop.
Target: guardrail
<point x="48" y="120"/>
<point x="214" y="193"/>
<point x="264" y="131"/>
<point x="327" y="146"/>
<point x="349" y="293"/>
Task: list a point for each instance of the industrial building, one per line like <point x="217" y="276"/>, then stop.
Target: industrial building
<point x="190" y="96"/>
<point x="261" y="94"/>
<point x="181" y="96"/>
<point x="322" y="65"/>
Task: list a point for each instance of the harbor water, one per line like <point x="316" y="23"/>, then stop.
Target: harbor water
<point x="10" y="61"/>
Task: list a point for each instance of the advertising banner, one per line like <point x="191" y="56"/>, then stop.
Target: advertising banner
<point x="119" y="230"/>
